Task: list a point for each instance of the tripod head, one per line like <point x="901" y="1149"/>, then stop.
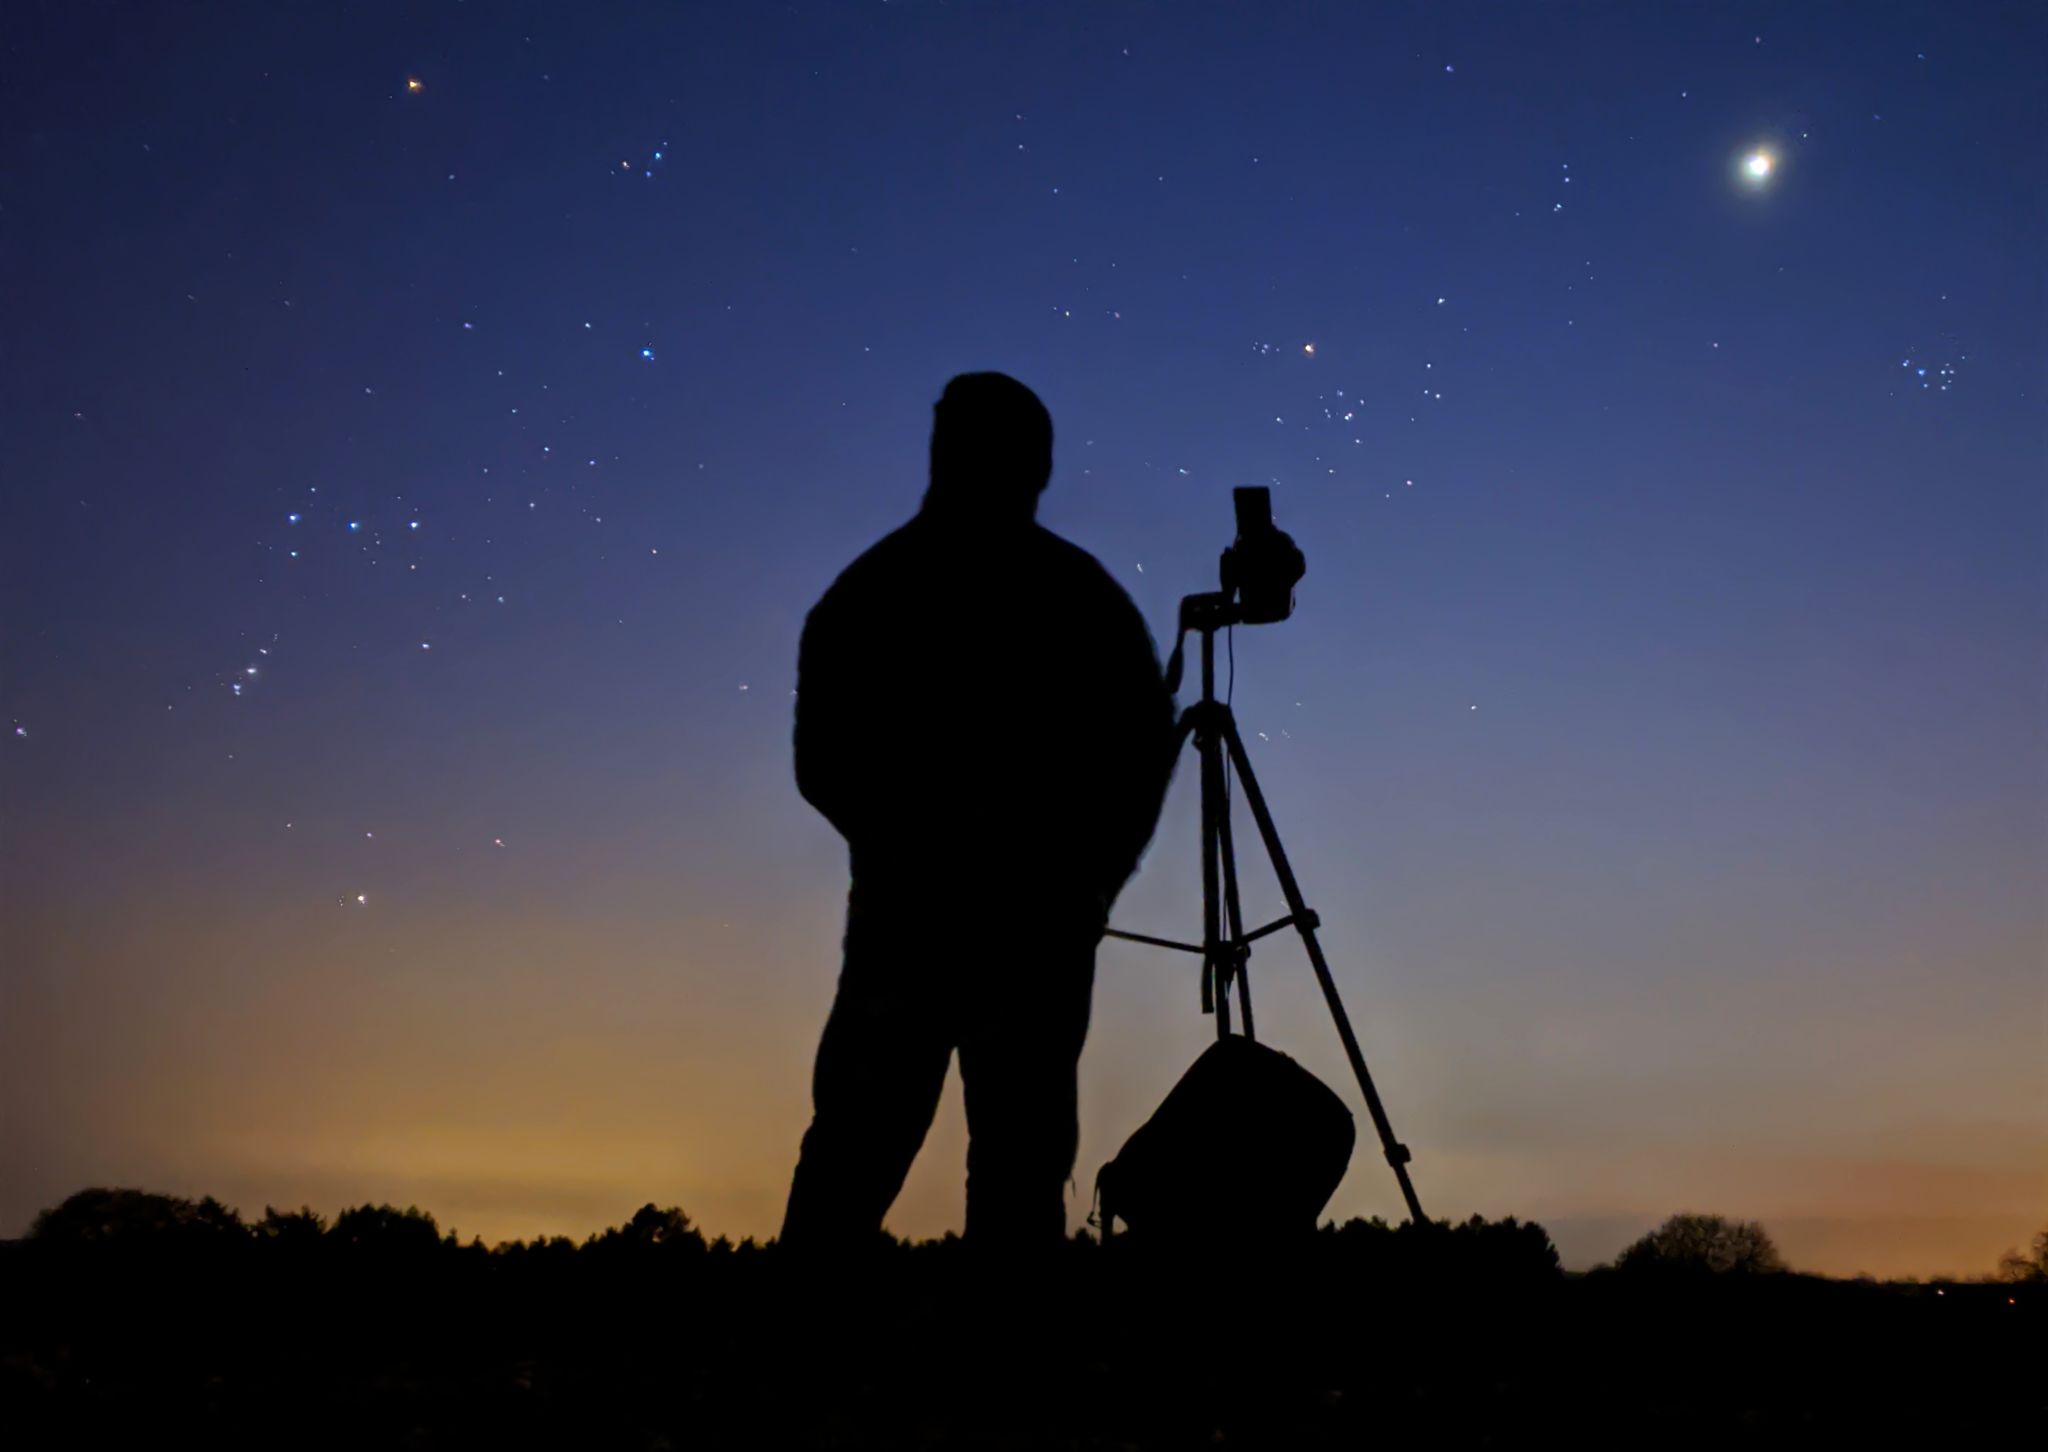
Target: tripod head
<point x="1263" y="564"/>
<point x="1259" y="571"/>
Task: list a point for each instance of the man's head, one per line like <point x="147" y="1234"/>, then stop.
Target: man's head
<point x="991" y="446"/>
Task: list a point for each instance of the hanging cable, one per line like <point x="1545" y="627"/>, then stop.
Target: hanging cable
<point x="1229" y="690"/>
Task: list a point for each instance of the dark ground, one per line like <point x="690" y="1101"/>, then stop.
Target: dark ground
<point x="654" y="1346"/>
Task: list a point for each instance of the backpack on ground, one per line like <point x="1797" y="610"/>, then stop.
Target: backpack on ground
<point x="1247" y="1143"/>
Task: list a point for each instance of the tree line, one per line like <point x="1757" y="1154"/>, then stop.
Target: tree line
<point x="1689" y="1243"/>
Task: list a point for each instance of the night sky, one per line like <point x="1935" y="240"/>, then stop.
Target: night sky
<point x="426" y="426"/>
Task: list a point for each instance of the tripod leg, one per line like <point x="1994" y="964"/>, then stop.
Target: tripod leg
<point x="1305" y="921"/>
<point x="1240" y="957"/>
<point x="1215" y="985"/>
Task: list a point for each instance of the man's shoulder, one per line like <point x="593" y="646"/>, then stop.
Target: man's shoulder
<point x="1084" y="571"/>
<point x="1064" y="555"/>
<point x="1102" y="600"/>
<point x="896" y="545"/>
<point x="873" y="568"/>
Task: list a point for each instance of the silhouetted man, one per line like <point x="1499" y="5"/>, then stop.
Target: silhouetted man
<point x="980" y="713"/>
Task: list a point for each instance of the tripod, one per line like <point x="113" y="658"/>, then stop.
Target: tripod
<point x="1225" y="959"/>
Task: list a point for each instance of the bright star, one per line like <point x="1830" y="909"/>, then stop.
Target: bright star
<point x="1758" y="167"/>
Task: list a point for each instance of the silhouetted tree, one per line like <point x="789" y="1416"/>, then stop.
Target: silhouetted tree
<point x="99" y="1215"/>
<point x="387" y="1229"/>
<point x="301" y="1227"/>
<point x="667" y="1230"/>
<point x="1357" y="1227"/>
<point x="1478" y="1249"/>
<point x="1507" y="1249"/>
<point x="2028" y="1265"/>
<point x="542" y="1250"/>
<point x="1366" y="1249"/>
<point x="1704" y="1245"/>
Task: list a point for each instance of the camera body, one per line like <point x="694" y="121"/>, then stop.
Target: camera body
<point x="1263" y="564"/>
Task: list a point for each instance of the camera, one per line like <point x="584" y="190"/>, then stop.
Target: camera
<point x="1259" y="573"/>
<point x="1263" y="564"/>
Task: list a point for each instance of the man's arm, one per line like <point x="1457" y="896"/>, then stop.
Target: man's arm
<point x="820" y="735"/>
<point x="1140" y="740"/>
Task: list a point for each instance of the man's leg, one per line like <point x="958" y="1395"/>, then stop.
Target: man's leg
<point x="881" y="1066"/>
<point x="1020" y="1050"/>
